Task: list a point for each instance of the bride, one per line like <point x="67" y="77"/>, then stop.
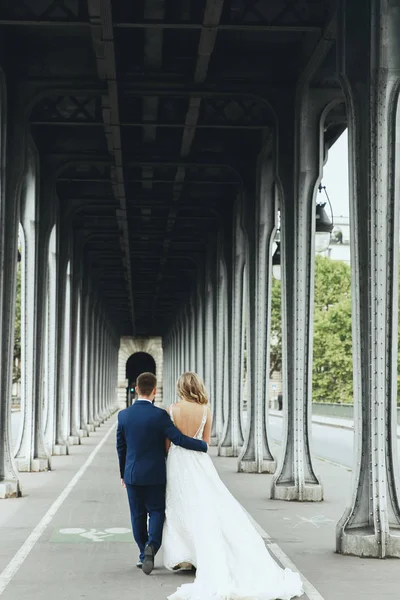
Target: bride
<point x="206" y="527"/>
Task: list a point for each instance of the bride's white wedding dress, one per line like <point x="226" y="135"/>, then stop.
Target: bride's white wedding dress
<point x="206" y="527"/>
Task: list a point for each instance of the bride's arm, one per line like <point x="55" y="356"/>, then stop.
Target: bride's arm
<point x="207" y="428"/>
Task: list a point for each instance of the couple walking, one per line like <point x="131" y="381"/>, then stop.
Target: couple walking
<point x="182" y="503"/>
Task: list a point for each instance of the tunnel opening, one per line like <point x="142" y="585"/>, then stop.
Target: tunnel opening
<point x="137" y="363"/>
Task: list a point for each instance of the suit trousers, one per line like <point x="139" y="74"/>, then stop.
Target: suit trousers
<point x="147" y="501"/>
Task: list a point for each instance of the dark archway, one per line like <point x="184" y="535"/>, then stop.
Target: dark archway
<point x="137" y="363"/>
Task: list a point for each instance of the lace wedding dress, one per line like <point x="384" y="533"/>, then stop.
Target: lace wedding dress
<point x="206" y="527"/>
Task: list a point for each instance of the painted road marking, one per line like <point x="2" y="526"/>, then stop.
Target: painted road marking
<point x="19" y="558"/>
<point x="311" y="592"/>
<point x="74" y="535"/>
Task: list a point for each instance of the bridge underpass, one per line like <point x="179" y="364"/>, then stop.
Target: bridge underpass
<point x="147" y="151"/>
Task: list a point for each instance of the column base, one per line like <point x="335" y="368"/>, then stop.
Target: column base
<point x="83" y="433"/>
<point x="74" y="440"/>
<point x="228" y="451"/>
<point x="365" y="543"/>
<point x="9" y="489"/>
<point x="34" y="465"/>
<point x="309" y="493"/>
<point x="40" y="464"/>
<point x="214" y="441"/>
<point x="252" y="466"/>
<point x="91" y="428"/>
<point x="60" y="450"/>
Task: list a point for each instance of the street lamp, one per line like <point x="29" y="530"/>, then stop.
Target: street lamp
<point x="276" y="261"/>
<point x="323" y="224"/>
<point x="323" y="230"/>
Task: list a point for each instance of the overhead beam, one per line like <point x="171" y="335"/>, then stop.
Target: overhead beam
<point x="147" y="124"/>
<point x="263" y="27"/>
<point x="208" y="36"/>
<point x="100" y="14"/>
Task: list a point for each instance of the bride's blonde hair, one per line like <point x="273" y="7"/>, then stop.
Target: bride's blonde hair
<point x="191" y="388"/>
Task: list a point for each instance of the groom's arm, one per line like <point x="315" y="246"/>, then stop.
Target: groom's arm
<point x="121" y="447"/>
<point x="172" y="433"/>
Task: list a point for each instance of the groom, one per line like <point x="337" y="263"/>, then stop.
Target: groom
<point x="141" y="434"/>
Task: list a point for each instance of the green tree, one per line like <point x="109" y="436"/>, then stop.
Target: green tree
<point x="17" y="329"/>
<point x="333" y="363"/>
<point x="276" y="329"/>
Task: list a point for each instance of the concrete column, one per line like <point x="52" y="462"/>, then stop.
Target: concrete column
<point x="191" y="324"/>
<point x="174" y="370"/>
<point x="15" y="165"/>
<point x="31" y="453"/>
<point x="187" y="332"/>
<point x="256" y="455"/>
<point x="221" y="345"/>
<point x="76" y="355"/>
<point x="51" y="344"/>
<point x="96" y="370"/>
<point x="63" y="302"/>
<point x="91" y="353"/>
<point x="84" y="383"/>
<point x="209" y="338"/>
<point x="369" y="68"/>
<point x="301" y="153"/>
<point x="232" y="436"/>
<point x="200" y="325"/>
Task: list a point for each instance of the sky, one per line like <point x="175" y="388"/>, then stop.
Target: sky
<point x="336" y="178"/>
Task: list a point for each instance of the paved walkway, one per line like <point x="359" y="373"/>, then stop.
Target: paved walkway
<point x="68" y="537"/>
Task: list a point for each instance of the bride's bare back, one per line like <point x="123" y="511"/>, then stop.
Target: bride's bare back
<point x="188" y="417"/>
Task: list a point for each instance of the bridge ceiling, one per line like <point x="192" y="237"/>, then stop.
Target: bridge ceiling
<point x="151" y="113"/>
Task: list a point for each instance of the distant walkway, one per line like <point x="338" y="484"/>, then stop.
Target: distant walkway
<point x="69" y="537"/>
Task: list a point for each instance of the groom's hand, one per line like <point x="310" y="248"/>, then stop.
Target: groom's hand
<point x="123" y="483"/>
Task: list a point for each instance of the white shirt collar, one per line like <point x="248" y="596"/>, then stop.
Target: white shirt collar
<point x="145" y="400"/>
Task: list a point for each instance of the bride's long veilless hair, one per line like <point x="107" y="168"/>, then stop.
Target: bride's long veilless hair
<point x="191" y="388"/>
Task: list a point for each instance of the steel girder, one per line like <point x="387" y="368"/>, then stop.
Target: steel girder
<point x="371" y="524"/>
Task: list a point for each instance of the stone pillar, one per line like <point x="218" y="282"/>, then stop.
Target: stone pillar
<point x="62" y="404"/>
<point x="200" y="325"/>
<point x="369" y="68"/>
<point x="256" y="455"/>
<point x="301" y="152"/>
<point x="91" y="353"/>
<point x="193" y="333"/>
<point x="209" y="337"/>
<point x="232" y="436"/>
<point x="84" y="383"/>
<point x="51" y="342"/>
<point x="188" y="335"/>
<point x="76" y="346"/>
<point x="31" y="454"/>
<point x="15" y="166"/>
<point x="96" y="368"/>
<point x="221" y="346"/>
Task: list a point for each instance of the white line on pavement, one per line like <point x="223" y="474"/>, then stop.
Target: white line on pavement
<point x="309" y="589"/>
<point x="19" y="558"/>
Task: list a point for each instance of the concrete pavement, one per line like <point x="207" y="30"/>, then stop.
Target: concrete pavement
<point x="73" y="528"/>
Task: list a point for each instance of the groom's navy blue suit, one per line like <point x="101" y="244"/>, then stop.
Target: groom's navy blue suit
<point x="141" y="434"/>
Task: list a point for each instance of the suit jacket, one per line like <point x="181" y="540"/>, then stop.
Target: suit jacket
<point x="141" y="434"/>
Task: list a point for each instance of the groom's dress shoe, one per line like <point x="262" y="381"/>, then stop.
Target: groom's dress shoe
<point x="148" y="563"/>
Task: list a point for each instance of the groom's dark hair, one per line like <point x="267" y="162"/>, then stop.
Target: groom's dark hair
<point x="146" y="382"/>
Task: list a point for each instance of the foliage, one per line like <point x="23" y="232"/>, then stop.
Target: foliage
<point x="17" y="330"/>
<point x="276" y="329"/>
<point x="333" y="363"/>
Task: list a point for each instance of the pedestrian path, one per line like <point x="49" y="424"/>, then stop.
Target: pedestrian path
<point x="69" y="536"/>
